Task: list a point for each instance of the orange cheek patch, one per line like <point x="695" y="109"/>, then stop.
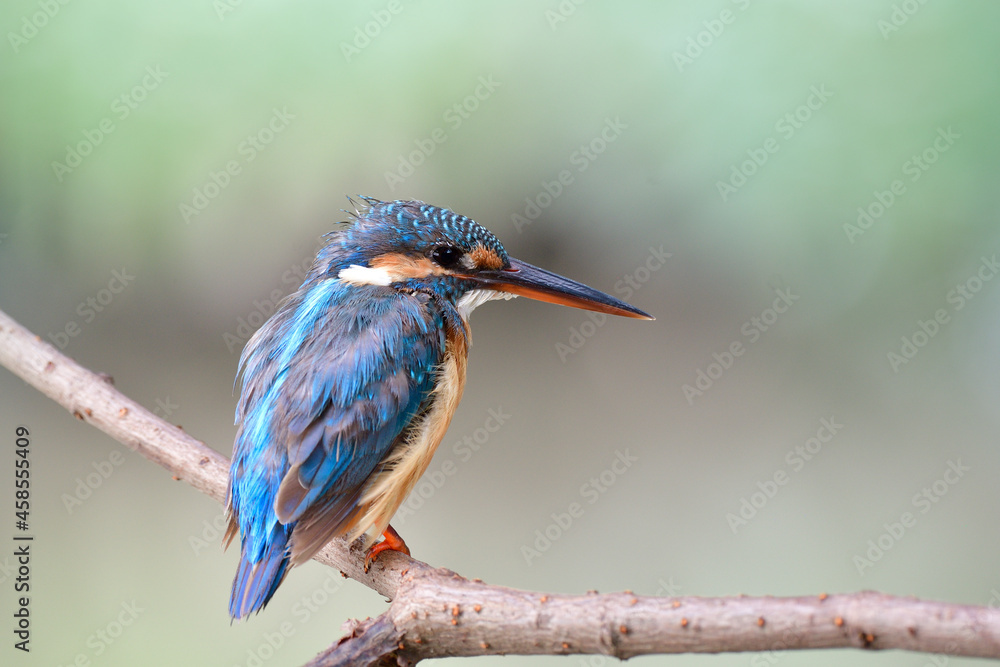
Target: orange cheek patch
<point x="485" y="258"/>
<point x="401" y="267"/>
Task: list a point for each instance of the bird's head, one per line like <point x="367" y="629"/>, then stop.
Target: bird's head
<point x="415" y="246"/>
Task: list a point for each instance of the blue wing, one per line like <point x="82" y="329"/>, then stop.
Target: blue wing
<point x="329" y="385"/>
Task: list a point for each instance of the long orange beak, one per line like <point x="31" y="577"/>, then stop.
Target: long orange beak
<point x="523" y="279"/>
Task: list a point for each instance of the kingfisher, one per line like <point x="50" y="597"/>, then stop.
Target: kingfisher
<point x="349" y="387"/>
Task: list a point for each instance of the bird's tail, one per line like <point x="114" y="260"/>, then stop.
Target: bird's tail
<point x="260" y="572"/>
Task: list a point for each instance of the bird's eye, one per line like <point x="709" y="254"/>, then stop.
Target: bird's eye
<point x="446" y="255"/>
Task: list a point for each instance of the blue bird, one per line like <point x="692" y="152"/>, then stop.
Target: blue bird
<point x="349" y="387"/>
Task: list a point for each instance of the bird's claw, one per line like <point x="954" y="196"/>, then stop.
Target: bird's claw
<point x="391" y="542"/>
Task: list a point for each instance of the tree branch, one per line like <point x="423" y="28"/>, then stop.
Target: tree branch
<point x="437" y="613"/>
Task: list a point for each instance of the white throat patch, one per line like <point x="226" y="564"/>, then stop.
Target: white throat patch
<point x="477" y="297"/>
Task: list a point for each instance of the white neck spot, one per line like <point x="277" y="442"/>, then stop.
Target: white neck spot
<point x="363" y="275"/>
<point x="477" y="297"/>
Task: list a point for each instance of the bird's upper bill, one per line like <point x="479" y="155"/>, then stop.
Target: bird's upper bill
<point x="523" y="279"/>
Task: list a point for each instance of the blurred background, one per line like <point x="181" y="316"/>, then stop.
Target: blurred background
<point x="803" y="193"/>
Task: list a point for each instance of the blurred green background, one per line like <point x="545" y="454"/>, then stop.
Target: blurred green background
<point x="741" y="138"/>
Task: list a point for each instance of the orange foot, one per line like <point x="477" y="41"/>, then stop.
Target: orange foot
<point x="391" y="542"/>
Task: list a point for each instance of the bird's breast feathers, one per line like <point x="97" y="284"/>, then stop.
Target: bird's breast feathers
<point x="408" y="460"/>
